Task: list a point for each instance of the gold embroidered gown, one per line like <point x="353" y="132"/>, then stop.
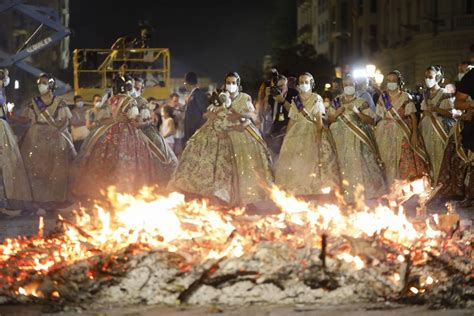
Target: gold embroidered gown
<point x="14" y="185"/>
<point x="359" y="163"/>
<point x="118" y="154"/>
<point x="220" y="162"/>
<point x="435" y="128"/>
<point x="306" y="167"/>
<point x="400" y="160"/>
<point x="47" y="150"/>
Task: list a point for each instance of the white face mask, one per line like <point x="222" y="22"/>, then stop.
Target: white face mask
<point x="460" y="75"/>
<point x="80" y="104"/>
<point x="430" y="83"/>
<point x="152" y="106"/>
<point x="349" y="90"/>
<point x="305" y="87"/>
<point x="6" y="81"/>
<point x="392" y="86"/>
<point x="97" y="104"/>
<point x="133" y="93"/>
<point x="232" y="88"/>
<point x="43" y="88"/>
<point x="138" y="92"/>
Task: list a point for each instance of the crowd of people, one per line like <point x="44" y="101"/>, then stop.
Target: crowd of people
<point x="232" y="150"/>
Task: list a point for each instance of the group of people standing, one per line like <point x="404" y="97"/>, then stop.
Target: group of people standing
<point x="321" y="148"/>
<point x="343" y="141"/>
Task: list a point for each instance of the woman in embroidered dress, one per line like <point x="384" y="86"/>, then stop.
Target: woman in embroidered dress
<point x="118" y="153"/>
<point x="307" y="163"/>
<point x="226" y="159"/>
<point x="47" y="147"/>
<point x="14" y="185"/>
<point x="166" y="162"/>
<point x="359" y="160"/>
<point x="396" y="133"/>
<point x="457" y="169"/>
<point x="436" y="121"/>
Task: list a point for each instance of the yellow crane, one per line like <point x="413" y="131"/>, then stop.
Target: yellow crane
<point x="95" y="68"/>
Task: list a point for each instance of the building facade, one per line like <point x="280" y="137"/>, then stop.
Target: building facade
<point x="407" y="35"/>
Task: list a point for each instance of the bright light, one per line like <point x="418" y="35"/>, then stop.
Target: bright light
<point x="370" y="69"/>
<point x="17" y="85"/>
<point x="327" y="86"/>
<point x="378" y="77"/>
<point x="360" y="73"/>
<point x="10" y="106"/>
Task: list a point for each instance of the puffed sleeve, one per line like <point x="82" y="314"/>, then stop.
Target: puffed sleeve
<point x="423" y="105"/>
<point x="133" y="112"/>
<point x="319" y="106"/>
<point x="447" y="104"/>
<point x="410" y="107"/>
<point x="64" y="112"/>
<point x="29" y="112"/>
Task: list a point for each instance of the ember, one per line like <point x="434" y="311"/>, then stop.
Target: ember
<point x="161" y="249"/>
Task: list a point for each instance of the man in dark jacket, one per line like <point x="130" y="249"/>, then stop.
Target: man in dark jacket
<point x="196" y="106"/>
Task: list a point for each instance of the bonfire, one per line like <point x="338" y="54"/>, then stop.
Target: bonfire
<point x="153" y="249"/>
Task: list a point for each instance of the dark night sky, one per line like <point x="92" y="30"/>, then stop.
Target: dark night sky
<point x="208" y="36"/>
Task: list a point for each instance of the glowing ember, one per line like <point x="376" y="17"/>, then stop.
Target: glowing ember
<point x="199" y="232"/>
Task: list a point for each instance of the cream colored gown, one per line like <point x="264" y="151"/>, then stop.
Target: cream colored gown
<point x="306" y="167"/>
<point x="434" y="141"/>
<point x="220" y="162"/>
<point x="358" y="163"/>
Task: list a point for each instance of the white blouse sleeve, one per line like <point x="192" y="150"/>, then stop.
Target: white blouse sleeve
<point x="447" y="104"/>
<point x="133" y="112"/>
<point x="319" y="106"/>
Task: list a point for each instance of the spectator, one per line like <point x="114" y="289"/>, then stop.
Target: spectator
<point x="79" y="130"/>
<point x="167" y="128"/>
<point x="196" y="106"/>
<point x="179" y="115"/>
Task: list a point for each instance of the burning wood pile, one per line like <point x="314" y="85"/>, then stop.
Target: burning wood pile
<point x="163" y="250"/>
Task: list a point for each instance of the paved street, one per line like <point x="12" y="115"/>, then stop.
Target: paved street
<point x="348" y="310"/>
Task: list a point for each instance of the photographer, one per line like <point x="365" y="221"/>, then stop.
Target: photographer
<point x="278" y="97"/>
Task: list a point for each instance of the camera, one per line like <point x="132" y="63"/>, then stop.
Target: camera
<point x="274" y="90"/>
<point x="274" y="82"/>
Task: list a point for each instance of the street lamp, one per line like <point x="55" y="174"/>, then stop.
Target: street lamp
<point x="359" y="73"/>
<point x="378" y="77"/>
<point x="370" y="70"/>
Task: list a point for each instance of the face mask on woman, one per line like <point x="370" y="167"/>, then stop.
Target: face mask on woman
<point x="97" y="104"/>
<point x="430" y="83"/>
<point x="392" y="86"/>
<point x="349" y="90"/>
<point x="43" y="88"/>
<point x="305" y="87"/>
<point x="232" y="87"/>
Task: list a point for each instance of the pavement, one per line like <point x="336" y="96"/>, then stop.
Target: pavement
<point x="270" y="310"/>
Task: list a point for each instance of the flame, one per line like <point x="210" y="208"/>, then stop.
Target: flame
<point x="200" y="232"/>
